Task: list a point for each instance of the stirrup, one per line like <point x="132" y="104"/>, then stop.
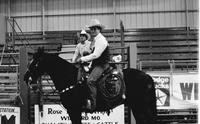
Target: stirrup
<point x="88" y="104"/>
<point x="88" y="107"/>
<point x="79" y="82"/>
<point x="86" y="68"/>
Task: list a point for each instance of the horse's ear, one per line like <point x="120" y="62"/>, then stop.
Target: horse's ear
<point x="57" y="54"/>
<point x="40" y="50"/>
<point x="31" y="52"/>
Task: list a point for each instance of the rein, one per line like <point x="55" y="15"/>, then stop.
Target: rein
<point x="67" y="89"/>
<point x="56" y="91"/>
<point x="62" y="91"/>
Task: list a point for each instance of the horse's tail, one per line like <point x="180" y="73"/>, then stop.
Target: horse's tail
<point x="141" y="96"/>
<point x="151" y="98"/>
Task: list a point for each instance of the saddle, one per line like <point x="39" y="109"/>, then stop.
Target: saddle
<point x="110" y="88"/>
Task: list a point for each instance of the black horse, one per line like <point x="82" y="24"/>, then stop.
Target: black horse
<point x="140" y="90"/>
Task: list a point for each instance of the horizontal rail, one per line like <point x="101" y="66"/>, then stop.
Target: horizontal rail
<point x="161" y="61"/>
<point x="9" y="65"/>
<point x="168" y="50"/>
<point x="6" y="100"/>
<point x="104" y="13"/>
<point x="118" y="47"/>
<point x="118" y="62"/>
<point x="174" y="56"/>
<point x="9" y="94"/>
<point x="8" y="88"/>
<point x="10" y="54"/>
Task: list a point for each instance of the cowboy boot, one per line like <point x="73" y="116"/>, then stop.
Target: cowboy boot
<point x="90" y="106"/>
<point x="91" y="101"/>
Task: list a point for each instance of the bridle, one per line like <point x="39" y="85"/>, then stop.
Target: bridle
<point x="31" y="72"/>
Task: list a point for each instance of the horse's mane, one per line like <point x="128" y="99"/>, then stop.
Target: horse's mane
<point x="60" y="70"/>
<point x="59" y="59"/>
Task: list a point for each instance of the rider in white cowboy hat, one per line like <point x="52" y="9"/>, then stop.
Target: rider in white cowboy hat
<point x="99" y="58"/>
<point x="83" y="47"/>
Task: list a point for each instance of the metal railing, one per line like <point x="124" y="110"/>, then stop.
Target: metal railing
<point x="170" y="65"/>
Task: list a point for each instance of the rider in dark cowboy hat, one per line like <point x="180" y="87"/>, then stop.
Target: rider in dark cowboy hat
<point x="99" y="58"/>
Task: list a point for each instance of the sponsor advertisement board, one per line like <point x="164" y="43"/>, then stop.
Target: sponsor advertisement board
<point x="9" y="115"/>
<point x="162" y="85"/>
<point x="57" y="114"/>
<point x="176" y="91"/>
<point x="185" y="88"/>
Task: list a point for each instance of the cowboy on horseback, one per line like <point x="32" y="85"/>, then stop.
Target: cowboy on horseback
<point x="99" y="58"/>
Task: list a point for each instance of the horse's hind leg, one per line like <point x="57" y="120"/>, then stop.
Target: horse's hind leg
<point x="75" y="116"/>
<point x="144" y="105"/>
<point x="151" y="101"/>
<point x="139" y="113"/>
<point x="147" y="113"/>
<point x="143" y="113"/>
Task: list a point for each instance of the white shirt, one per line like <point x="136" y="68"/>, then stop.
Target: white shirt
<point x="100" y="44"/>
<point x="80" y="49"/>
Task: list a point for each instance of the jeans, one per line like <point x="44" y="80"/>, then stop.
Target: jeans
<point x="92" y="80"/>
<point x="79" y="76"/>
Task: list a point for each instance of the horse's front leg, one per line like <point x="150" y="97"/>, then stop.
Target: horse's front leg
<point x="75" y="116"/>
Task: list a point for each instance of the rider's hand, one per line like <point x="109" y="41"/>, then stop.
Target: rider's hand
<point x="27" y="76"/>
<point x="78" y="60"/>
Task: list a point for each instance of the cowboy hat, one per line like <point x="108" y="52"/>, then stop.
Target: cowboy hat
<point x="83" y="32"/>
<point x="96" y="23"/>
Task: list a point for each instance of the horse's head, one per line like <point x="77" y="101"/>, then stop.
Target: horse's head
<point x="36" y="67"/>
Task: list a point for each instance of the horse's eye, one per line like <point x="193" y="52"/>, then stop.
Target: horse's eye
<point x="36" y="65"/>
<point x="30" y="78"/>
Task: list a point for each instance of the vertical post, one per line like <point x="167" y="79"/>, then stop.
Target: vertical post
<point x="133" y="55"/>
<point x="128" y="56"/>
<point x="13" y="32"/>
<point x="186" y="16"/>
<point x="122" y="38"/>
<point x="133" y="64"/>
<point x="43" y="18"/>
<point x="114" y="15"/>
<point x="172" y="66"/>
<point x="8" y="19"/>
<point x="2" y="30"/>
<point x="9" y="8"/>
<point x="24" y="112"/>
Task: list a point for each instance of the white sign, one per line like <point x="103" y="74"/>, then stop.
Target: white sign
<point x="9" y="115"/>
<point x="163" y="86"/>
<point x="176" y="91"/>
<point x="185" y="87"/>
<point x="57" y="114"/>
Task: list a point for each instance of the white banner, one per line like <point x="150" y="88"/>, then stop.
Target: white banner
<point x="57" y="114"/>
<point x="185" y="87"/>
<point x="176" y="91"/>
<point x="9" y="115"/>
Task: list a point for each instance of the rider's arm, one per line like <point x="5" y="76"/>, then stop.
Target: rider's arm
<point x="100" y="45"/>
<point x="76" y="53"/>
